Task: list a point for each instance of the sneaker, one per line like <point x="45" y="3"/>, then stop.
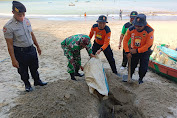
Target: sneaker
<point x="40" y="83"/>
<point x="124" y="78"/>
<point x="73" y="78"/>
<point x="122" y="68"/>
<point x="119" y="75"/>
<point x="28" y="88"/>
<point x="78" y="74"/>
<point x="140" y="81"/>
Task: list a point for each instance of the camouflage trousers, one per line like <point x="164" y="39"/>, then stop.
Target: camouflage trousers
<point x="74" y="60"/>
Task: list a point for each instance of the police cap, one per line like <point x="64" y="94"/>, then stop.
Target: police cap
<point x="133" y="14"/>
<point x="18" y="7"/>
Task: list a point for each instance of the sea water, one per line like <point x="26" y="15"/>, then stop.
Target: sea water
<point x="61" y="9"/>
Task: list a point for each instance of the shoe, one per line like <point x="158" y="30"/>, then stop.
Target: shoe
<point x="28" y="88"/>
<point x="122" y="68"/>
<point x="72" y="76"/>
<point x="140" y="81"/>
<point x="78" y="74"/>
<point x="119" y="75"/>
<point x="73" y="79"/>
<point x="40" y="83"/>
<point x="124" y="78"/>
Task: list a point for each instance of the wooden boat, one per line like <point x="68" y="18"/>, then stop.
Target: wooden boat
<point x="71" y="4"/>
<point x="163" y="61"/>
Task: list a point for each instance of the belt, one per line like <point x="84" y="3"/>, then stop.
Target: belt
<point x="25" y="49"/>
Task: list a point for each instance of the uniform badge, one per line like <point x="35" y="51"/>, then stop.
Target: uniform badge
<point x="99" y="37"/>
<point x="16" y="9"/>
<point x="144" y="34"/>
<point x="137" y="42"/>
<point x="4" y="29"/>
<point x="103" y="18"/>
<point x="27" y="23"/>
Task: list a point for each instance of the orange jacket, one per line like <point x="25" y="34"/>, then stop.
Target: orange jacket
<point x="141" y="41"/>
<point x="102" y="37"/>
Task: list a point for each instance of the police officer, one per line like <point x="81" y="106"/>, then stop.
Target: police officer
<point x="71" y="47"/>
<point x="102" y="38"/>
<point x="133" y="14"/>
<point x="142" y="37"/>
<point x="20" y="39"/>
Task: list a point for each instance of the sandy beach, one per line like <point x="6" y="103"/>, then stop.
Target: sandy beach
<point x="155" y="98"/>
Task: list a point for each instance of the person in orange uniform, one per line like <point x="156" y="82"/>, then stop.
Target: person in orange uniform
<point x="142" y="37"/>
<point x="85" y="14"/>
<point x="102" y="38"/>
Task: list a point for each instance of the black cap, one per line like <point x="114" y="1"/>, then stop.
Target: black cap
<point x="140" y="20"/>
<point x="102" y="18"/>
<point x="18" y="7"/>
<point x="133" y="14"/>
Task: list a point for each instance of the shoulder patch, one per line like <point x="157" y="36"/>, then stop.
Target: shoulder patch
<point x="107" y="29"/>
<point x="4" y="29"/>
<point x="95" y="25"/>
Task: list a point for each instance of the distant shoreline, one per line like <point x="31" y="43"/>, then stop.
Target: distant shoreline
<point x="159" y="16"/>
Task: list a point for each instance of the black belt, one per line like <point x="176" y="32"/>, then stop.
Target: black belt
<point x="25" y="49"/>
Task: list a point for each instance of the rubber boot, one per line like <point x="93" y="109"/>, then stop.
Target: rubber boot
<point x="72" y="76"/>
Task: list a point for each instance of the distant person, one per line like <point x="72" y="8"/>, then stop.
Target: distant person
<point x="120" y="14"/>
<point x="133" y="14"/>
<point x="20" y="39"/>
<point x="102" y="39"/>
<point x="142" y="37"/>
<point x="71" y="47"/>
<point x="107" y="14"/>
<point x="85" y="14"/>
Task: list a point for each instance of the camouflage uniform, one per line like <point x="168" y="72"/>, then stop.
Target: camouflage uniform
<point x="72" y="46"/>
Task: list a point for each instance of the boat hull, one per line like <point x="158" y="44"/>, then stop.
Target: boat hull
<point x="163" y="70"/>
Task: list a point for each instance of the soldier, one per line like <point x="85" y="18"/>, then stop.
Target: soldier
<point x="133" y="14"/>
<point x="71" y="47"/>
<point x="20" y="39"/>
<point x="102" y="38"/>
<point x="142" y="37"/>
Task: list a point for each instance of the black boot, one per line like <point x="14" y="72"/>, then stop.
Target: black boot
<point x="78" y="74"/>
<point x="72" y="76"/>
